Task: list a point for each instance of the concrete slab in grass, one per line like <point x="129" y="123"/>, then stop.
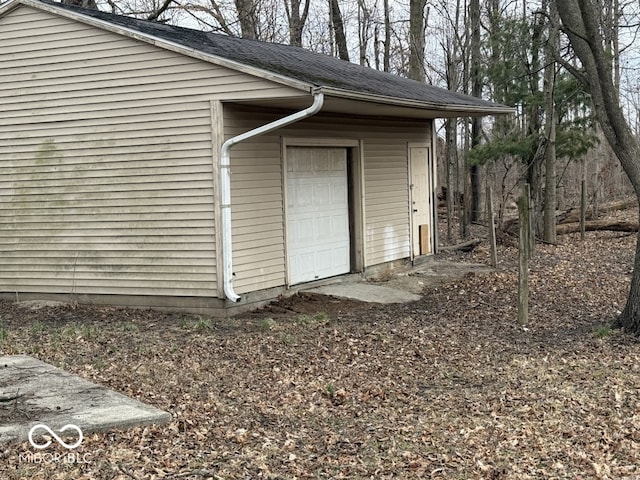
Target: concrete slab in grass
<point x="33" y="392"/>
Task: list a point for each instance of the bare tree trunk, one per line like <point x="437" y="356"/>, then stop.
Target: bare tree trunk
<point x="338" y="30"/>
<point x="296" y="19"/>
<point x="476" y="91"/>
<point x="534" y="172"/>
<point x="416" y="39"/>
<point x="247" y="18"/>
<point x="364" y="25"/>
<point x="550" y="202"/>
<point x="386" y="58"/>
<point x="580" y="22"/>
<point x="452" y="159"/>
<point x="82" y="3"/>
<point x="452" y="52"/>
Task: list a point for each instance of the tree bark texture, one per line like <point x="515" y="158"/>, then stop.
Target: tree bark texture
<point x="82" y="3"/>
<point x="476" y="91"/>
<point x="247" y="18"/>
<point x="550" y="201"/>
<point x="580" y="20"/>
<point x="416" y="39"/>
<point x="338" y="30"/>
<point x="523" y="256"/>
<point x="597" y="225"/>
<point x="297" y="20"/>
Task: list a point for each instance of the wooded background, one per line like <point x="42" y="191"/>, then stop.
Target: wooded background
<point x="507" y="51"/>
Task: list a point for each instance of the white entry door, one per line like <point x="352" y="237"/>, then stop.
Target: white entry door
<point x="317" y="213"/>
<point x="422" y="217"/>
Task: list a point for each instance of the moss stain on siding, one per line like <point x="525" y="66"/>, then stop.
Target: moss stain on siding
<point x="47" y="151"/>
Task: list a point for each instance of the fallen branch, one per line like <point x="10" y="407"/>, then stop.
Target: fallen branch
<point x="572" y="215"/>
<point x="595" y="225"/>
<point x="462" y="247"/>
<point x="10" y="397"/>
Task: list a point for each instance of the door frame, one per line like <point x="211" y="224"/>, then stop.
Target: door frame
<point x="355" y="186"/>
<point x="431" y="179"/>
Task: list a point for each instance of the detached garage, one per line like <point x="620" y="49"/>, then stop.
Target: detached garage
<point x="156" y="166"/>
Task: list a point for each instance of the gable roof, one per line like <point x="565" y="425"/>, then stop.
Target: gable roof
<point x="291" y="65"/>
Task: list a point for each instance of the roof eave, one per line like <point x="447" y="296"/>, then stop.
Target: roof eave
<point x="444" y="110"/>
<point x="439" y="109"/>
<point x="166" y="44"/>
<point x="8" y="6"/>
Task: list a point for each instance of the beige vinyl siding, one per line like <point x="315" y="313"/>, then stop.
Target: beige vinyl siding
<point x="78" y="218"/>
<point x="257" y="213"/>
<point x="386" y="198"/>
<point x="257" y="199"/>
<point x="106" y="183"/>
<point x="67" y="56"/>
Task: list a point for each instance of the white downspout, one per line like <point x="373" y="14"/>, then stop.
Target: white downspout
<point x="225" y="185"/>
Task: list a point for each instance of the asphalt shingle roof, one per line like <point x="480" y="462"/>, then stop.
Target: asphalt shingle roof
<point x="292" y="62"/>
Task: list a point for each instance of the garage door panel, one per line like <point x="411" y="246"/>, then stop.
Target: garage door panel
<point x="339" y="225"/>
<point x="317" y="213"/>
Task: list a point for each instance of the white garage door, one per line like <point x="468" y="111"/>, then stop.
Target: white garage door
<point x="317" y="213"/>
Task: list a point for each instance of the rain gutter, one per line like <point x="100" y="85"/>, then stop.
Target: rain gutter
<point x="225" y="185"/>
<point x="460" y="109"/>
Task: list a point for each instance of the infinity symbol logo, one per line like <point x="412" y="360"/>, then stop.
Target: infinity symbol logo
<point x="53" y="434"/>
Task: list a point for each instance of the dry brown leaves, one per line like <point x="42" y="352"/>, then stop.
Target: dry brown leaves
<point x="445" y="388"/>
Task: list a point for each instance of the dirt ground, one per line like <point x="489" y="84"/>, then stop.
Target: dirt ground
<point x="448" y="387"/>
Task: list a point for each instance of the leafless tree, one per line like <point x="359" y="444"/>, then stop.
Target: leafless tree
<point x="337" y="25"/>
<point x="581" y="22"/>
<point x="416" y="39"/>
<point x="552" y="52"/>
<point x="297" y="14"/>
<point x="82" y="3"/>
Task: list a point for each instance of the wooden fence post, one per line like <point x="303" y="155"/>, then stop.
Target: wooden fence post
<point x="583" y="207"/>
<point x="523" y="256"/>
<point x="531" y="224"/>
<point x="492" y="228"/>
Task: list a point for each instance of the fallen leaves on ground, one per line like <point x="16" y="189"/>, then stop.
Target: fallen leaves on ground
<point x="449" y="387"/>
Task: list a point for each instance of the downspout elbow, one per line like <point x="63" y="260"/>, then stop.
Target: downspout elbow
<point x="225" y="186"/>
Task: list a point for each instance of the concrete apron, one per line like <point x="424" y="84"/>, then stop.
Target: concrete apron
<point x="366" y="292"/>
<point x="55" y="398"/>
<point x="402" y="287"/>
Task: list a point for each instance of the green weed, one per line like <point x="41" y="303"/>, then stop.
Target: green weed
<point x="38" y="328"/>
<point x="79" y="330"/>
<point x="267" y="324"/>
<point x="602" y="331"/>
<point x="319" y="318"/>
<point x="199" y="323"/>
